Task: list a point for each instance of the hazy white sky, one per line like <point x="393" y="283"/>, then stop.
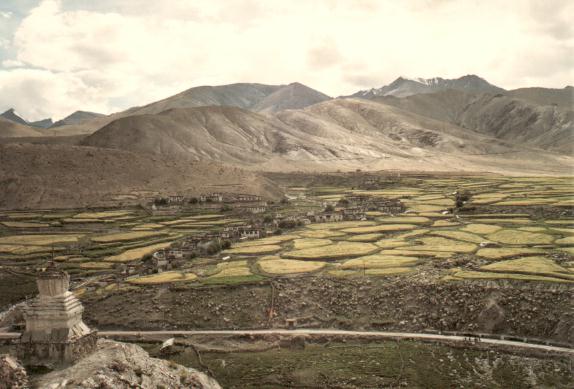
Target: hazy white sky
<point x="58" y="56"/>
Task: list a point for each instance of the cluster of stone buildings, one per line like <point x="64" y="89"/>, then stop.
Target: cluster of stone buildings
<point x="367" y="203"/>
<point x="237" y="203"/>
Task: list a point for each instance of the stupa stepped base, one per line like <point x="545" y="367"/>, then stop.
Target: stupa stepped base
<point x="53" y="354"/>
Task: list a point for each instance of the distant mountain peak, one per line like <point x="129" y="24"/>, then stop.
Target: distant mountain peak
<point x="77" y="117"/>
<point x="11" y="115"/>
<point x="408" y="86"/>
<point x="293" y="96"/>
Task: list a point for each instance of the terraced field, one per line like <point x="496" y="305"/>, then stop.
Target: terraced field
<point x="514" y="229"/>
<point x="97" y="242"/>
<point x="429" y="240"/>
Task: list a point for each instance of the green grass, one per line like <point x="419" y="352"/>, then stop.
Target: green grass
<point x="520" y="237"/>
<point x="380" y="228"/>
<point x="270" y="240"/>
<point x="404" y="220"/>
<point x="320" y="234"/>
<point x="507" y="252"/>
<point x="306" y="243"/>
<point x="254" y="250"/>
<point x="165" y="277"/>
<point x="379" y="261"/>
<point x="365" y="238"/>
<point x="459" y="235"/>
<point x="534" y="265"/>
<point x="481" y="228"/>
<point x="443" y="245"/>
<point x="339" y="250"/>
<point x="568" y="240"/>
<point x="340" y="225"/>
<point x="126" y="236"/>
<point x="137" y="253"/>
<point x="289" y="266"/>
<point x="478" y="275"/>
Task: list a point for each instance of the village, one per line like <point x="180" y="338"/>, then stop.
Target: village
<point x="262" y="219"/>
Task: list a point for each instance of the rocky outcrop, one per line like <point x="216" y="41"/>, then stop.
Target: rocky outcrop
<point x="12" y="373"/>
<point x="123" y="365"/>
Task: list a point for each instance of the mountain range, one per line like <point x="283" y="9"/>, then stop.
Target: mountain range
<point x="403" y="87"/>
<point x="464" y="124"/>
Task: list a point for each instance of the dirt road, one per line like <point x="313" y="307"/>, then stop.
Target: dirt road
<point x="323" y="332"/>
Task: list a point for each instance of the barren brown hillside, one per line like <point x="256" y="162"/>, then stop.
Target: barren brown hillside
<point x="63" y="176"/>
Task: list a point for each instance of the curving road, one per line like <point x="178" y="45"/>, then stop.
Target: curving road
<point x="324" y="332"/>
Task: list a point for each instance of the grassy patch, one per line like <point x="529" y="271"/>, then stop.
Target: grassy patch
<point x="306" y="243"/>
<point x="392" y="243"/>
<point x="320" y="234"/>
<point x="270" y="240"/>
<point x="148" y="227"/>
<point x="408" y="251"/>
<point x="505" y="220"/>
<point x="391" y="271"/>
<point x="101" y="215"/>
<point x="232" y="272"/>
<point x="481" y="228"/>
<point x="340" y="225"/>
<point x="568" y="240"/>
<point x="507" y="252"/>
<point x="532" y="229"/>
<point x="335" y="251"/>
<point x="289" y="266"/>
<point x="165" y="277"/>
<point x="39" y="240"/>
<point x="95" y="265"/>
<point x="404" y="220"/>
<point x="379" y="261"/>
<point x="24" y="249"/>
<point x="535" y="265"/>
<point x="365" y="238"/>
<point x="138" y="253"/>
<point x="126" y="236"/>
<point x="380" y="228"/>
<point x="254" y="250"/>
<point x="459" y="235"/>
<point x="520" y="237"/>
<point x="478" y="275"/>
<point x="24" y="225"/>
<point x="444" y="223"/>
<point x="443" y="244"/>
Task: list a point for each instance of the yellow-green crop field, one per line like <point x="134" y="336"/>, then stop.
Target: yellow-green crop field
<point x="522" y="230"/>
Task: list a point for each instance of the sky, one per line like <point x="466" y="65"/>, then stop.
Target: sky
<point x="59" y="56"/>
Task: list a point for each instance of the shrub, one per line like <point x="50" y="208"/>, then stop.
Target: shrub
<point x="160" y="201"/>
<point x="343" y="203"/>
<point x="287" y="224"/>
<point x="462" y="198"/>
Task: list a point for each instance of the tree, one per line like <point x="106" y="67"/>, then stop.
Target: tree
<point x="461" y="198"/>
<point x="160" y="201"/>
<point x="343" y="203"/>
<point x="329" y="208"/>
<point x="225" y="208"/>
<point x="193" y="200"/>
<point x="284" y="200"/>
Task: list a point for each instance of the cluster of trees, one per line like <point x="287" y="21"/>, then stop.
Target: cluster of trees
<point x="461" y="198"/>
